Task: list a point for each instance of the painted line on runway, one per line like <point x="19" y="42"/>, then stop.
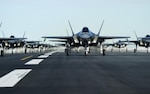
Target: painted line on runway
<point x="46" y="54"/>
<point x="34" y="62"/>
<point x="39" y="59"/>
<point x="13" y="77"/>
<point x="42" y="56"/>
<point x="50" y="53"/>
<point x="27" y="57"/>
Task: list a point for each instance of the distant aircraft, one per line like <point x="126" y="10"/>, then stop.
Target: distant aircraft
<point x="141" y="41"/>
<point x="119" y="44"/>
<point x="36" y="44"/>
<point x="32" y="44"/>
<point x="84" y="38"/>
<point x="12" y="42"/>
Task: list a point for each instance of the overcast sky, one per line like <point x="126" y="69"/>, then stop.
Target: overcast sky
<point x="50" y="17"/>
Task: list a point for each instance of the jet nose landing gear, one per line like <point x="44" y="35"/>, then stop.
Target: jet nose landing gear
<point x="87" y="50"/>
<point x="68" y="51"/>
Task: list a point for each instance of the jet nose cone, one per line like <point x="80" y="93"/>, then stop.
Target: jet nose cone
<point x="85" y="36"/>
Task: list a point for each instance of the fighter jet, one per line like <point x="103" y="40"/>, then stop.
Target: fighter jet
<point x="85" y="38"/>
<point x="32" y="44"/>
<point x="12" y="41"/>
<point x="119" y="44"/>
<point x="141" y="41"/>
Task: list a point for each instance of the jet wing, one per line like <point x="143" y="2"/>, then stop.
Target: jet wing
<point x="59" y="40"/>
<point x="32" y="41"/>
<point x="134" y="41"/>
<point x="60" y="44"/>
<point x="112" y="37"/>
<point x="5" y="39"/>
<point x="146" y="38"/>
<point x="59" y="37"/>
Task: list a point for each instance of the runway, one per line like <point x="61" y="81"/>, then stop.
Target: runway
<point x="56" y="73"/>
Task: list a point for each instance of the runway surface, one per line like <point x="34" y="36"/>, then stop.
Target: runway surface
<point x="56" y="73"/>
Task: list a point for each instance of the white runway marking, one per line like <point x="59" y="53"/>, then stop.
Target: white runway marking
<point x="50" y="53"/>
<point x="34" y="62"/>
<point x="43" y="56"/>
<point x="12" y="78"/>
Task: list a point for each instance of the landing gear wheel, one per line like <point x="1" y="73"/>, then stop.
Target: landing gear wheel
<point x="85" y="53"/>
<point x="135" y="50"/>
<point x="67" y="51"/>
<point x="2" y="53"/>
<point x="103" y="52"/>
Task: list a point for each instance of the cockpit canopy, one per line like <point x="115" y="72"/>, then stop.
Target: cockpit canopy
<point x="147" y="35"/>
<point x="12" y="36"/>
<point x="85" y="29"/>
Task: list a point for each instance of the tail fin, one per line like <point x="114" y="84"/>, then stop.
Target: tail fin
<point x="3" y="34"/>
<point x="100" y="28"/>
<point x="44" y="40"/>
<point x="136" y="35"/>
<point x="71" y="28"/>
<point x="24" y="34"/>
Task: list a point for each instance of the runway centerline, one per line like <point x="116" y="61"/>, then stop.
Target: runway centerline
<point x="34" y="62"/>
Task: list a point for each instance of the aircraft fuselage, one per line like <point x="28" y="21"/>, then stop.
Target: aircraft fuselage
<point x="85" y="38"/>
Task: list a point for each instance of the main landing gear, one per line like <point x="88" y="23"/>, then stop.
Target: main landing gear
<point x="2" y="53"/>
<point x="68" y="51"/>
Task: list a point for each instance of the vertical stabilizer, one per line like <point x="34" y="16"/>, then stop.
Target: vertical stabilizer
<point x="3" y="34"/>
<point x="24" y="34"/>
<point x="71" y="28"/>
<point x="136" y="35"/>
<point x="100" y="28"/>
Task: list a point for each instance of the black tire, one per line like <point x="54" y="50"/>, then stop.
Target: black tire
<point x="85" y="53"/>
<point x="2" y="53"/>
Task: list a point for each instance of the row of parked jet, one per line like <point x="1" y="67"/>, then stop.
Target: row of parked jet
<point x="87" y="38"/>
<point x="13" y="42"/>
<point x="141" y="41"/>
<point x="84" y="38"/>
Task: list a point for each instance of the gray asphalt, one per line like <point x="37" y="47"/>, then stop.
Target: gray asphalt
<point x="115" y="73"/>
